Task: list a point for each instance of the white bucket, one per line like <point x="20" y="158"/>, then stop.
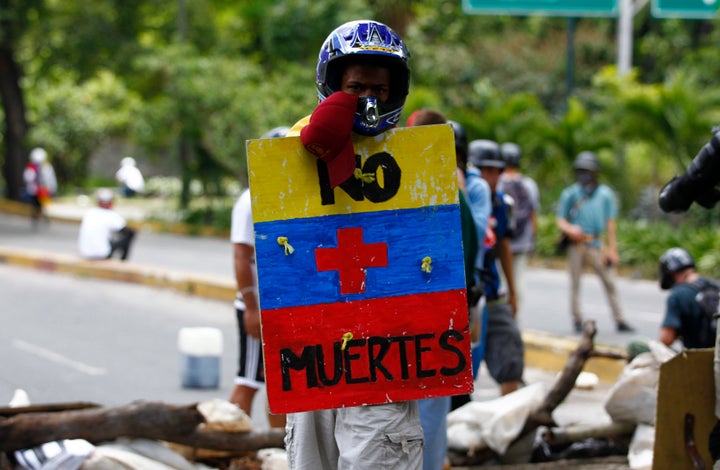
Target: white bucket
<point x="200" y="352"/>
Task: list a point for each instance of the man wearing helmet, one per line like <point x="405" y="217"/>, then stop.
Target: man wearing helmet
<point x="685" y="318"/>
<point x="504" y="349"/>
<point x="586" y="212"/>
<point x="40" y="183"/>
<point x="525" y="206"/>
<point x="362" y="82"/>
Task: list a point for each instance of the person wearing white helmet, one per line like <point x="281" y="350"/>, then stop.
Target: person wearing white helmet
<point x="103" y="231"/>
<point x="40" y="183"/>
<point x="129" y="177"/>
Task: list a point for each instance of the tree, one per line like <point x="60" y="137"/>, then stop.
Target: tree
<point x="13" y="22"/>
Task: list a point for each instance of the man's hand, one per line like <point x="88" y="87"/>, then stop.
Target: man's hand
<point x="328" y="135"/>
<point x="612" y="257"/>
<point x="574" y="233"/>
<point x="251" y="318"/>
<point x="512" y="301"/>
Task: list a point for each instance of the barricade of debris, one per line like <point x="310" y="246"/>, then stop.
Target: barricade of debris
<point x="516" y="431"/>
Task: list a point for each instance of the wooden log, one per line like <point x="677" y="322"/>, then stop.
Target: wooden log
<point x="16" y="410"/>
<point x="565" y="382"/>
<point x="181" y="424"/>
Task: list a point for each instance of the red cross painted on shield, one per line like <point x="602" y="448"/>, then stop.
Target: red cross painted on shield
<point x="351" y="258"/>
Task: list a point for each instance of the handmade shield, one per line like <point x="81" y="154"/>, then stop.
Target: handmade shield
<point x="362" y="287"/>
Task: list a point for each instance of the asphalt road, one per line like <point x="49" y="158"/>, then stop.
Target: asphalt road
<point x="66" y="338"/>
<point x="546" y="307"/>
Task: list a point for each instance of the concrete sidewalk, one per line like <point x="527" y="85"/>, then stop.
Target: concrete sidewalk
<point x="197" y="265"/>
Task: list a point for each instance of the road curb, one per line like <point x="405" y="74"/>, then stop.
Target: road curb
<point x="207" y="286"/>
<point x="551" y="352"/>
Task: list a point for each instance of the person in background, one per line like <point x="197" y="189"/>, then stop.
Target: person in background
<point x="685" y="318"/>
<point x="433" y="411"/>
<point x="104" y="232"/>
<point x="130" y="178"/>
<point x="586" y="214"/>
<point x="699" y="184"/>
<point x="504" y="348"/>
<point x="40" y="184"/>
<point x="251" y="373"/>
<point x="362" y="81"/>
<point x="525" y="207"/>
<point x="476" y="193"/>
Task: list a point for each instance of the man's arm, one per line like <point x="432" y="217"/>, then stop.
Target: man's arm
<point x="506" y="261"/>
<point x="243" y="256"/>
<point x="612" y="252"/>
<point x="574" y="232"/>
<point x="667" y="335"/>
<point x="478" y="193"/>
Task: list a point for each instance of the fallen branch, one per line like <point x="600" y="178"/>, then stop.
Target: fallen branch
<point x="54" y="407"/>
<point x="565" y="382"/>
<point x="150" y="420"/>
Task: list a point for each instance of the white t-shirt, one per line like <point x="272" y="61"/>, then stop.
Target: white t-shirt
<point x="96" y="230"/>
<point x="131" y="177"/>
<point x="241" y="231"/>
<point x="241" y="224"/>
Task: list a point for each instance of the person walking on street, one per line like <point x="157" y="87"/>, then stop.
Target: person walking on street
<point x="40" y="184"/>
<point x="251" y="374"/>
<point x="526" y="204"/>
<point x="362" y="82"/>
<point x="129" y="177"/>
<point x="104" y="232"/>
<point x="687" y="317"/>
<point x="586" y="214"/>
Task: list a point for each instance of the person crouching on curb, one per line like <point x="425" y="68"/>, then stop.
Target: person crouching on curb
<point x="104" y="232"/>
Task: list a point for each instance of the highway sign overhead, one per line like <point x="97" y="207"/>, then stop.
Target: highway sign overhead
<point x="688" y="9"/>
<point x="571" y="8"/>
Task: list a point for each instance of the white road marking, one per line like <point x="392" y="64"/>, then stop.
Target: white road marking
<point x="58" y="358"/>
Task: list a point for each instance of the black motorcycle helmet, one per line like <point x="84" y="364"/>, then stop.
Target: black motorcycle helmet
<point x="276" y="132"/>
<point x="672" y="261"/>
<point x="461" y="143"/>
<point x="588" y="161"/>
<point x="511" y="153"/>
<point x="485" y="153"/>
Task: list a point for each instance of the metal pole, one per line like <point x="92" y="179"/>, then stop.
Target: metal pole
<point x="570" y="66"/>
<point x="625" y="37"/>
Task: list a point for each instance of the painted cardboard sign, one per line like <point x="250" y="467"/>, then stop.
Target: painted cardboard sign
<point x="362" y="288"/>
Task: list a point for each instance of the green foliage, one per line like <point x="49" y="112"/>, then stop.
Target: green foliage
<point x="218" y="72"/>
<point x="70" y="120"/>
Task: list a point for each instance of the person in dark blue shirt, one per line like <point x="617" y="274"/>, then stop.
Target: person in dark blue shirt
<point x="685" y="319"/>
<point x="504" y="349"/>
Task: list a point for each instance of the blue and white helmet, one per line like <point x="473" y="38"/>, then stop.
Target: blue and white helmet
<point x="366" y="41"/>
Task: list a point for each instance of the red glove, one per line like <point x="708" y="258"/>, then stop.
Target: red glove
<point x="327" y="136"/>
